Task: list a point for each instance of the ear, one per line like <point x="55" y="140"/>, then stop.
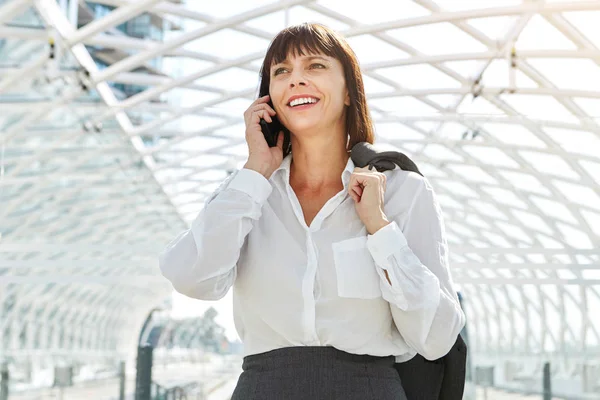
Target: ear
<point x="347" y="98"/>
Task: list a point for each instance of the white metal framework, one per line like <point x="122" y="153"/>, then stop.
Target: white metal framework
<point x="497" y="101"/>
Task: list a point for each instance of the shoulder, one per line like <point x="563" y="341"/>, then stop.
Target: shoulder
<point x="409" y="183"/>
<point x="407" y="192"/>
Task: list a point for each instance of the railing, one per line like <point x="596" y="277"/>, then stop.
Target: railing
<point x="188" y="391"/>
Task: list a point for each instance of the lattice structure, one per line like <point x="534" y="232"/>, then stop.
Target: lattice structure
<point x="497" y="101"/>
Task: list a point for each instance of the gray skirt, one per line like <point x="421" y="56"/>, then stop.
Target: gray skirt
<point x="317" y="373"/>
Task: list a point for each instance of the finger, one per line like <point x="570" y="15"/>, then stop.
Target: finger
<point x="260" y="101"/>
<point x="257" y="115"/>
<point x="263" y="99"/>
<point x="267" y="107"/>
<point x="359" y="190"/>
<point x="357" y="194"/>
<point x="356" y="187"/>
<point x="280" y="140"/>
<point x="358" y="179"/>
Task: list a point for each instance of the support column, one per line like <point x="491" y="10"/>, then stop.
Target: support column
<point x="547" y="388"/>
<point x="4" y="379"/>
<point x="122" y="378"/>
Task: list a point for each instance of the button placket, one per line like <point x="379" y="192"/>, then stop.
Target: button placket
<point x="309" y="292"/>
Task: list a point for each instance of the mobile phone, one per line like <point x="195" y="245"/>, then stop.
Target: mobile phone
<point x="271" y="132"/>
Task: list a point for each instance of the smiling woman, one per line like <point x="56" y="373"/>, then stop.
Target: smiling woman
<point x="318" y="58"/>
<point x="337" y="272"/>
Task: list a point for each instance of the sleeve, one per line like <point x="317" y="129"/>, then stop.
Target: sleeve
<point x="202" y="262"/>
<point x="422" y="297"/>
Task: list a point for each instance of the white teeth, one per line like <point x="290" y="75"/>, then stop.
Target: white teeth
<point x="302" y="100"/>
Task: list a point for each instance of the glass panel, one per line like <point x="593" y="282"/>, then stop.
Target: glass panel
<point x="445" y="100"/>
<point x="371" y="12"/>
<point x="299" y="15"/>
<point x="402" y="106"/>
<point x="496" y="28"/>
<point x="586" y="23"/>
<point x="426" y="39"/>
<point x="553" y="209"/>
<point x="549" y="164"/>
<point x="473" y="173"/>
<point x="469" y="69"/>
<point x="232" y="79"/>
<point x="440" y="152"/>
<point x="375" y="86"/>
<point x="532" y="221"/>
<point x="515" y="232"/>
<point x="459" y="189"/>
<point x="543" y="108"/>
<point x="505" y="196"/>
<point x="419" y="77"/>
<point x="487" y="209"/>
<point x="514" y="134"/>
<point x="213" y="44"/>
<point x="539" y="34"/>
<point x="221" y="10"/>
<point x="370" y="49"/>
<point x="593" y="220"/>
<point x="453" y="5"/>
<point x="578" y="194"/>
<point x="497" y="75"/>
<point x="578" y="74"/>
<point x="575" y="141"/>
<point x="490" y="156"/>
<point x="575" y="237"/>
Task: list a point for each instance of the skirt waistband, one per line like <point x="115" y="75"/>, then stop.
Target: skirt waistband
<point x="315" y="356"/>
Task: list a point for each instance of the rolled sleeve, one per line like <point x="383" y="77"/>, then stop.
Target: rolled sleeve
<point x="252" y="183"/>
<point x="385" y="242"/>
<point x="411" y="285"/>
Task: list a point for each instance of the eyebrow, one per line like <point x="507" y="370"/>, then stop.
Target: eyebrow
<point x="310" y="58"/>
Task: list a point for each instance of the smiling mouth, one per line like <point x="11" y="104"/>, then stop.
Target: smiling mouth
<point x="303" y="101"/>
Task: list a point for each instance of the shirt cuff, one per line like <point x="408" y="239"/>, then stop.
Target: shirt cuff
<point x="411" y="285"/>
<point x="385" y="242"/>
<point x="252" y="183"/>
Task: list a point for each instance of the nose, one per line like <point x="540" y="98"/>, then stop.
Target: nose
<point x="297" y="79"/>
<point x="297" y="82"/>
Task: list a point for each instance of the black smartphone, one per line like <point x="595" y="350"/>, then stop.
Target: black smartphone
<point x="271" y="130"/>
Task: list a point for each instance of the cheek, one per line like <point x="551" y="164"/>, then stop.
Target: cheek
<point x="276" y="95"/>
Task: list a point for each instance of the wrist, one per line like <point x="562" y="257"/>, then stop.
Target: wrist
<point x="375" y="224"/>
<point x="261" y="169"/>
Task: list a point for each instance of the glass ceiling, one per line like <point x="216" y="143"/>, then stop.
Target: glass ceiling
<point x="498" y="102"/>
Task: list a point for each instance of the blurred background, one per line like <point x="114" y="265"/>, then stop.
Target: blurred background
<point x="119" y="117"/>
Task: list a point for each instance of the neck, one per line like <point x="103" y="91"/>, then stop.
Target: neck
<point x="318" y="162"/>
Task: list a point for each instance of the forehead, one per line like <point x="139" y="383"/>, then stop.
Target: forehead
<point x="293" y="56"/>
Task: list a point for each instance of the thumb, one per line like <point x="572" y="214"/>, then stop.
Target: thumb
<point x="280" y="140"/>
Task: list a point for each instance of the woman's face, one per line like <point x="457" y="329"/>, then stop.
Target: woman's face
<point x="316" y="77"/>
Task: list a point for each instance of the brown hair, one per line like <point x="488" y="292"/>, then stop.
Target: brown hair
<point x="316" y="38"/>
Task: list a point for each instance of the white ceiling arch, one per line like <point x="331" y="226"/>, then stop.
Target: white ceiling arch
<point x="497" y="101"/>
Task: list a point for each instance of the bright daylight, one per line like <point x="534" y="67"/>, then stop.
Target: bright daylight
<point x="299" y="199"/>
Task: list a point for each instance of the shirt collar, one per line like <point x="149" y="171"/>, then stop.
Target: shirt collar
<point x="285" y="167"/>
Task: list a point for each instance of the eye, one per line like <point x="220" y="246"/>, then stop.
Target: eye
<point x="279" y="71"/>
<point x="317" y="65"/>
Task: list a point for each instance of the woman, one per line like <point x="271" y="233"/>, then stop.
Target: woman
<point x="337" y="271"/>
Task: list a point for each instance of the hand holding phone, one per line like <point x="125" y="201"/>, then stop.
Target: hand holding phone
<point x="265" y="150"/>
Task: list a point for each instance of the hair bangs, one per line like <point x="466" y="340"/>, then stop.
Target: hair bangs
<point x="302" y="40"/>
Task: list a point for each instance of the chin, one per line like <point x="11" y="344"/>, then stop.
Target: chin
<point x="302" y="126"/>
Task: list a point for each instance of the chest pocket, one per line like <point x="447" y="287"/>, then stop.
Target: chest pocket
<point x="355" y="269"/>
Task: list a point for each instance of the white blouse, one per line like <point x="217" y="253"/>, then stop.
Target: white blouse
<point x="323" y="284"/>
